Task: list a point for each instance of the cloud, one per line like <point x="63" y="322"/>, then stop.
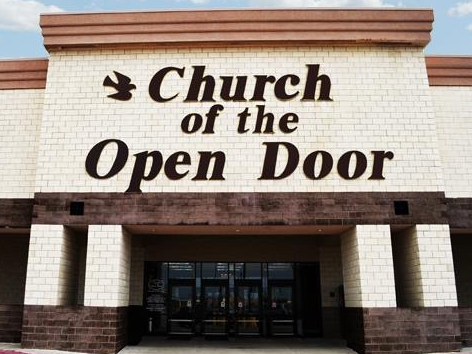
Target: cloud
<point x="198" y="2"/>
<point x="469" y="27"/>
<point x="320" y="3"/>
<point x="461" y="9"/>
<point x="23" y="15"/>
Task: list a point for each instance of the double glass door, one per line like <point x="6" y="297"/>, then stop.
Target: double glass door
<point x="281" y="309"/>
<point x="215" y="305"/>
<point x="181" y="318"/>
<point x="248" y="308"/>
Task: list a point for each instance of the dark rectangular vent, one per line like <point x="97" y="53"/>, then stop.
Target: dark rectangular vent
<point x="76" y="208"/>
<point x="401" y="207"/>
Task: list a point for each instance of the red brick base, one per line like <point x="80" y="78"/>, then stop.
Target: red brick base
<point x="465" y="315"/>
<point x="99" y="330"/>
<point x="403" y="331"/>
<point x="11" y="317"/>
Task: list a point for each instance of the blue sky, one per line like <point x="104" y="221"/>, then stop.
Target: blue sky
<point x="20" y="35"/>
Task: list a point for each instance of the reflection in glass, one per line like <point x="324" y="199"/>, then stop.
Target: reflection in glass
<point x="280" y="270"/>
<point x="247" y="271"/>
<point x="215" y="299"/>
<point x="215" y="270"/>
<point x="182" y="301"/>
<point x="281" y="297"/>
<point x="215" y="322"/>
<point x="182" y="270"/>
<point x="181" y="309"/>
<point x="248" y="300"/>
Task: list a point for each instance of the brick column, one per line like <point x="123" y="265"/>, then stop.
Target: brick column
<point x="99" y="326"/>
<point x="428" y="320"/>
<point x="424" y="267"/>
<point x="368" y="278"/>
<point x="51" y="273"/>
<point x="368" y="267"/>
<point x="108" y="266"/>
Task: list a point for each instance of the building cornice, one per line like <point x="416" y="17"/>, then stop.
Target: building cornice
<point x="254" y="27"/>
<point x="449" y="70"/>
<point x="23" y="74"/>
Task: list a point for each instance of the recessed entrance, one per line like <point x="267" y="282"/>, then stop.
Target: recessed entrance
<point x="221" y="299"/>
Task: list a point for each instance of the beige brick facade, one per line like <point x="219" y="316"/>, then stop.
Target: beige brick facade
<point x="20" y="124"/>
<point x="383" y="245"/>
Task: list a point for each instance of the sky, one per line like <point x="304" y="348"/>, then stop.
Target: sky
<point x="20" y="35"/>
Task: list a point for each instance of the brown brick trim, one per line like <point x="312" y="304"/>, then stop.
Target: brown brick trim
<point x="238" y="27"/>
<point x="16" y="213"/>
<point x="402" y="330"/>
<point x="449" y="70"/>
<point x="99" y="330"/>
<point x="11" y="317"/>
<point x="23" y="74"/>
<point x="459" y="213"/>
<point x="249" y="209"/>
<point x="465" y="315"/>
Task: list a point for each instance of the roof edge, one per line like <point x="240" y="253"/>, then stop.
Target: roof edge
<point x="23" y="73"/>
<point x="229" y="27"/>
<point x="446" y="70"/>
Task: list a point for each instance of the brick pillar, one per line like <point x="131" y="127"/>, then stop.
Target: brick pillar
<point x="428" y="320"/>
<point x="49" y="320"/>
<point x="368" y="267"/>
<point x="424" y="267"/>
<point x="368" y="278"/>
<point x="108" y="266"/>
<point x="51" y="272"/>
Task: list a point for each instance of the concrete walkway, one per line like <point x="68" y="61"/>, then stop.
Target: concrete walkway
<point x="155" y="345"/>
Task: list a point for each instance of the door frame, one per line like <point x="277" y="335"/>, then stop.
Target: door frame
<point x="270" y="318"/>
<point x="208" y="283"/>
<point x="260" y="316"/>
<point x="180" y="282"/>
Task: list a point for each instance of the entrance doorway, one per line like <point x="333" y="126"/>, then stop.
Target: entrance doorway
<point x="232" y="299"/>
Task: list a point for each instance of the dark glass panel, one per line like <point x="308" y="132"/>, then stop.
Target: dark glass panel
<point x="280" y="271"/>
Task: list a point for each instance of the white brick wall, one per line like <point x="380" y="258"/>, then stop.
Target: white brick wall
<point x="368" y="267"/>
<point x="381" y="101"/>
<point x="437" y="267"/>
<point x="108" y="266"/>
<point x="454" y="121"/>
<point x="20" y="121"/>
<point x="52" y="266"/>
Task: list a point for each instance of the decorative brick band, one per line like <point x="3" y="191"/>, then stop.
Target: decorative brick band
<point x="465" y="315"/>
<point x="403" y="330"/>
<point x="11" y="317"/>
<point x="23" y="74"/>
<point x="243" y="209"/>
<point x="225" y="28"/>
<point x="99" y="330"/>
<point x="459" y="213"/>
<point x="16" y="213"/>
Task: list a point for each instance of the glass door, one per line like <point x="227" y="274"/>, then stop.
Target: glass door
<point x="215" y="307"/>
<point x="281" y="314"/>
<point x="181" y="317"/>
<point x="248" y="307"/>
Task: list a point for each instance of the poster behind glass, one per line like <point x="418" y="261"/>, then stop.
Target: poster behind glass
<point x="155" y="297"/>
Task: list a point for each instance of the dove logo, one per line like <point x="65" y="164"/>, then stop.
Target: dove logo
<point x="123" y="87"/>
